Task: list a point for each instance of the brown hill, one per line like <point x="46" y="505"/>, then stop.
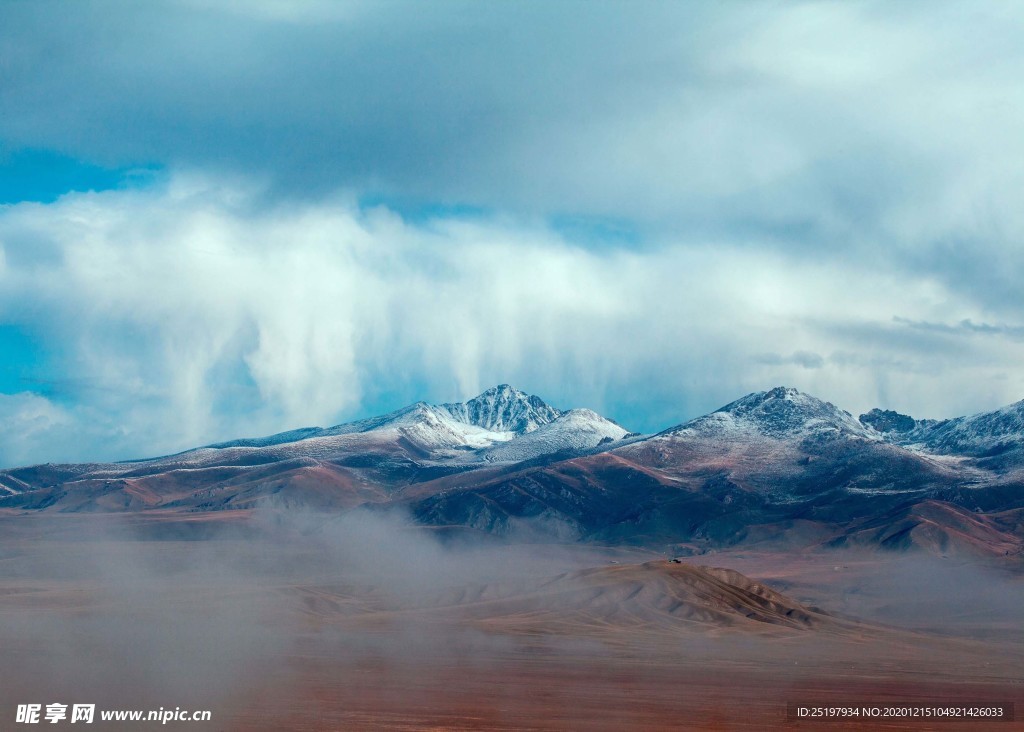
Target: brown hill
<point x="662" y="595"/>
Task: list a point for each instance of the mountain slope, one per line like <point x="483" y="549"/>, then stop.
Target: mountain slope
<point x="785" y="445"/>
<point x="993" y="440"/>
<point x="998" y="435"/>
<point x="781" y="412"/>
<point x="504" y="409"/>
<point x="416" y="443"/>
<point x="778" y="467"/>
<point x="773" y="466"/>
<point x="658" y="595"/>
<point x="575" y="430"/>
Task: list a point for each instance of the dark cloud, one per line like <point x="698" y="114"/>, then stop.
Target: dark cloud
<point x="647" y="208"/>
<point x="806" y="359"/>
<point x="964" y="327"/>
<point x="792" y="119"/>
<point x="400" y="97"/>
<point x="832" y="131"/>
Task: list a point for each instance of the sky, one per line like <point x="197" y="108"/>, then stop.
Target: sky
<point x="227" y="219"/>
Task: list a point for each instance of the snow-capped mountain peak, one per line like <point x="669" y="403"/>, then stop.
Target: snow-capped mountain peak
<point x="500" y="414"/>
<point x="504" y="409"/>
<point x="981" y="435"/>
<point x="785" y="410"/>
<point x="997" y="435"/>
<point x="779" y="412"/>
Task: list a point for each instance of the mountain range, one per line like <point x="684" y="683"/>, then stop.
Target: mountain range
<point x="779" y="468"/>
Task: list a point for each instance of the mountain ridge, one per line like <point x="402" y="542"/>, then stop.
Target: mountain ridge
<point x="777" y="466"/>
<point x="780" y="411"/>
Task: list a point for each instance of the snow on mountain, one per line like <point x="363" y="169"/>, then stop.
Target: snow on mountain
<point x="426" y="431"/>
<point x="504" y="409"/>
<point x="577" y="429"/>
<point x="781" y="412"/>
<point x="896" y="427"/>
<point x="786" y="447"/>
<point x="504" y="424"/>
<point x="982" y="435"/>
<point x="431" y="428"/>
<point x="770" y="462"/>
<point x="499" y="414"/>
<point x="996" y="435"/>
<point x="447" y="433"/>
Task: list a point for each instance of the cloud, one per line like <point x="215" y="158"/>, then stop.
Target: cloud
<point x="806" y="359"/>
<point x="836" y="131"/>
<point x="645" y="212"/>
<point x="965" y="327"/>
<point x="30" y="422"/>
<point x="195" y="311"/>
<point x="814" y="114"/>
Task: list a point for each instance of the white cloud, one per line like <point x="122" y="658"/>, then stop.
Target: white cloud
<point x="30" y="425"/>
<point x="195" y="311"/>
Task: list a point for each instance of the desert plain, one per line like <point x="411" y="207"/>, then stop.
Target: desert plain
<point x="304" y="621"/>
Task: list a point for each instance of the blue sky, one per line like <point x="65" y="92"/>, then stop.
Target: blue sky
<point x="23" y="357"/>
<point x="43" y="176"/>
<point x="233" y="218"/>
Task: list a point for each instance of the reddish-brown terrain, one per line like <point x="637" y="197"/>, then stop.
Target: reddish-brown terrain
<point x="279" y="620"/>
<point x="501" y="564"/>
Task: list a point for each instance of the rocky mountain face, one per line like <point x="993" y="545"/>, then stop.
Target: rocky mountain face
<point x="342" y="465"/>
<point x="893" y="424"/>
<point x="994" y="439"/>
<point x="773" y="467"/>
<point x="778" y="413"/>
<point x="776" y="467"/>
<point x="504" y="409"/>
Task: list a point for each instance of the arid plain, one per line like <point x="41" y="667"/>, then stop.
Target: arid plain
<point x="275" y="619"/>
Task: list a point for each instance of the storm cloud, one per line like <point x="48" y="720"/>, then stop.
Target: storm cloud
<point x="646" y="210"/>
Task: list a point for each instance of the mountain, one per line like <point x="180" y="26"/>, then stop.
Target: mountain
<point x="992" y="439"/>
<point x="498" y="415"/>
<point x="573" y="431"/>
<point x="897" y="427"/>
<point x="996" y="436"/>
<point x="334" y="467"/>
<point x="779" y="412"/>
<point x="777" y="467"/>
<point x="784" y="444"/>
<point x="504" y="409"/>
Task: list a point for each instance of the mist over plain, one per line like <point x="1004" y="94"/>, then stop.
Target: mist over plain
<point x="228" y="615"/>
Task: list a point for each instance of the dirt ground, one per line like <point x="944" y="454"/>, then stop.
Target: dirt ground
<point x="299" y="628"/>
